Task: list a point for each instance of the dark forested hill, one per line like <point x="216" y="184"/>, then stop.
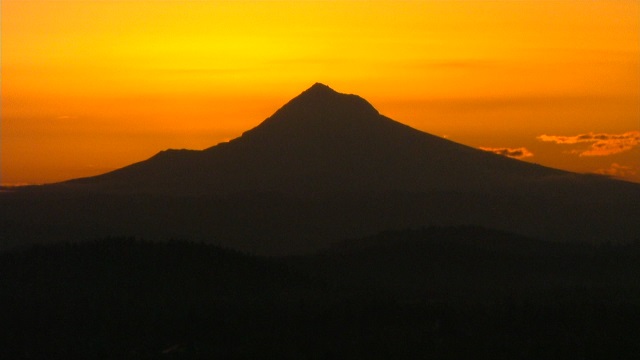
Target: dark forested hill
<point x="123" y="298"/>
<point x="448" y="293"/>
<point x="473" y="263"/>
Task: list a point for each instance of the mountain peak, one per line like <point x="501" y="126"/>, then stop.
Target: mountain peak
<point x="321" y="96"/>
<point x="317" y="110"/>
<point x="319" y="93"/>
<point x="320" y="88"/>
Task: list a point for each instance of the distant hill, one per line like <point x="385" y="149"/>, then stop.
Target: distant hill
<point x="446" y="293"/>
<point x="471" y="264"/>
<point x="325" y="166"/>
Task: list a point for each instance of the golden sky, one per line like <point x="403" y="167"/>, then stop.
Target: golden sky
<point x="92" y="85"/>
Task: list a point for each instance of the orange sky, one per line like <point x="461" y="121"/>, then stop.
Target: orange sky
<point x="92" y="85"/>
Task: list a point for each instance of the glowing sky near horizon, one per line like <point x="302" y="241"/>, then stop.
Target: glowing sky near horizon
<point x="90" y="86"/>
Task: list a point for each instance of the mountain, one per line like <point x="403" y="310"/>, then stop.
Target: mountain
<point x="323" y="142"/>
<point x="324" y="167"/>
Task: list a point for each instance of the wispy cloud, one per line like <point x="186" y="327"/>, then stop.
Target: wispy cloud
<point x="618" y="170"/>
<point x="517" y="153"/>
<point x="602" y="144"/>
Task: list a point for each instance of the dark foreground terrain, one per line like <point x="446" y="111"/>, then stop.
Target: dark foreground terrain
<point x="444" y="293"/>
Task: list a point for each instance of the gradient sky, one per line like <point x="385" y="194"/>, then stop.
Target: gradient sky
<point x="92" y="85"/>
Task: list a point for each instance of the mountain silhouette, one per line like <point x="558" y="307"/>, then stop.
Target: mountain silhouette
<point x="324" y="167"/>
<point x="321" y="142"/>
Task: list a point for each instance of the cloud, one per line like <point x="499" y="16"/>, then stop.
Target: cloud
<point x="517" y="153"/>
<point x="66" y="117"/>
<point x="601" y="144"/>
<point x="618" y="170"/>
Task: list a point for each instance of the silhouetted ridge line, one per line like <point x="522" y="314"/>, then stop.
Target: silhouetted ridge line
<point x="323" y="141"/>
